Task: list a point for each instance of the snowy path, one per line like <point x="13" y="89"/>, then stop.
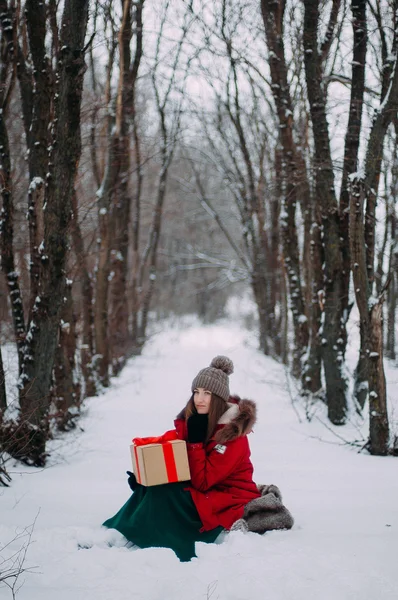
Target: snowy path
<point x="343" y="545"/>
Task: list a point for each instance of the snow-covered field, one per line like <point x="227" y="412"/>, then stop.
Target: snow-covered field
<point x="344" y="542"/>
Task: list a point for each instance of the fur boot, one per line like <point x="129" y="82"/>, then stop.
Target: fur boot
<point x="265" y="513"/>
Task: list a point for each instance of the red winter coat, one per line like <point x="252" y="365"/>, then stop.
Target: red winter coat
<point x="221" y="471"/>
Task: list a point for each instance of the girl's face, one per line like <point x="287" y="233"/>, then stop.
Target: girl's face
<point x="202" y="399"/>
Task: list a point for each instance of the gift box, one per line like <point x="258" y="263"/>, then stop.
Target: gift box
<point x="160" y="460"/>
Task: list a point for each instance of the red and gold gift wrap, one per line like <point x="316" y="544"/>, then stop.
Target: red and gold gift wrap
<point x="159" y="460"/>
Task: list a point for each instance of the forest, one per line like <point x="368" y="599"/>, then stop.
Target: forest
<point x="159" y="157"/>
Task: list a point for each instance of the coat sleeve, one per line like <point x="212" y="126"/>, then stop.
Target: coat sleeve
<point x="208" y="470"/>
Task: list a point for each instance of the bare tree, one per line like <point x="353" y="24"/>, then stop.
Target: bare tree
<point x="52" y="97"/>
<point x="273" y="16"/>
<point x="65" y="389"/>
<point x="393" y="256"/>
<point x="3" y="393"/>
<point x="374" y="156"/>
<point x="370" y="310"/>
<point x="364" y="192"/>
<point x="352" y="139"/>
<point x="104" y="200"/>
<point x="7" y="80"/>
<point x="120" y="341"/>
<point x="87" y="342"/>
<point x="334" y="326"/>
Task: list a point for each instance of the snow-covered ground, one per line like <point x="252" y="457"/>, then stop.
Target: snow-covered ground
<point x="344" y="542"/>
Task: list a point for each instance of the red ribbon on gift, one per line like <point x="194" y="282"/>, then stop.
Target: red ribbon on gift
<point x="161" y="439"/>
<point x="168" y="453"/>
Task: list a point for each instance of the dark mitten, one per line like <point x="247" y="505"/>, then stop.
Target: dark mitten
<point x="131" y="480"/>
<point x="197" y="428"/>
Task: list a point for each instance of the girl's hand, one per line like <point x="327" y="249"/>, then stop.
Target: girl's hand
<point x="131" y="480"/>
<point x="197" y="428"/>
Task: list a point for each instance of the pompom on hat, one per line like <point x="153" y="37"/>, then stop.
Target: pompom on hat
<point x="216" y="377"/>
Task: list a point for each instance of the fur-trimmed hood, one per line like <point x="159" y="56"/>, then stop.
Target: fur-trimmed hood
<point x="237" y="420"/>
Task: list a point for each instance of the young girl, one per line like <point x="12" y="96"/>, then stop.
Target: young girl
<point x="176" y="515"/>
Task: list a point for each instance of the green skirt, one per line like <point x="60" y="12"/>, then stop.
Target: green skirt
<point x="162" y="516"/>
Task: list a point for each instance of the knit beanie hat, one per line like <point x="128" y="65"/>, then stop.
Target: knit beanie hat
<point x="215" y="378"/>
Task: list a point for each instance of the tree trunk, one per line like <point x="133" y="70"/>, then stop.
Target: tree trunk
<point x="284" y="318"/>
<point x="306" y="200"/>
<point x="352" y="138"/>
<point x="38" y="138"/>
<point x="371" y="315"/>
<point x="379" y="272"/>
<point x="275" y="261"/>
<point x="379" y="433"/>
<point x="135" y="241"/>
<point x="66" y="391"/>
<point x="101" y="292"/>
<point x="104" y="194"/>
<point x="87" y="348"/>
<point x="374" y="156"/>
<point x="7" y="239"/>
<point x="23" y="71"/>
<point x="334" y="327"/>
<point x="3" y="392"/>
<point x="259" y="284"/>
<point x="42" y="336"/>
<point x="111" y="307"/>
<point x="361" y="384"/>
<point x="118" y="304"/>
<point x="374" y="152"/>
<point x="350" y="165"/>
<point x="120" y="211"/>
<point x="36" y="195"/>
<point x="313" y="260"/>
<point x="313" y="362"/>
<point x="267" y="254"/>
<point x="273" y="13"/>
<point x="392" y="290"/>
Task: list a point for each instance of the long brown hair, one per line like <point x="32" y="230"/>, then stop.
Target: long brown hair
<point x="218" y="406"/>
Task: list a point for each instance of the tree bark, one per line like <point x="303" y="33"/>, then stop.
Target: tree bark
<point x="66" y="391"/>
<point x="104" y="200"/>
<point x="313" y="362"/>
<point x="42" y="107"/>
<point x="8" y="26"/>
<point x="102" y="272"/>
<point x="41" y="340"/>
<point x="273" y="13"/>
<point x="7" y="240"/>
<point x="3" y="392"/>
<point x="352" y="137"/>
<point x="276" y="276"/>
<point x="350" y="165"/>
<point x="374" y="153"/>
<point x="383" y="117"/>
<point x="393" y="270"/>
<point x="371" y="315"/>
<point x="392" y="301"/>
<point x="136" y="209"/>
<point x="87" y="349"/>
<point x="259" y="287"/>
<point x="120" y="214"/>
<point x="7" y="212"/>
<point x="334" y="327"/>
